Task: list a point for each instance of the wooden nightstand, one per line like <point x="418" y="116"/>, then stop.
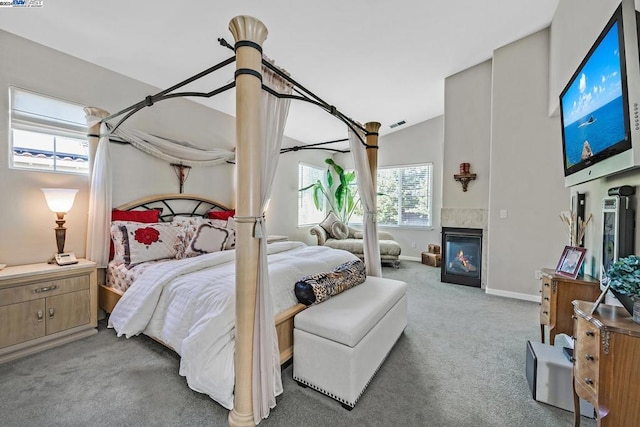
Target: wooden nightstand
<point x="556" y="310"/>
<point x="44" y="305"/>
<point x="606" y="368"/>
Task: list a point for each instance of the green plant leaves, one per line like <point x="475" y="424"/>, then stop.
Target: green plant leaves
<point x="624" y="276"/>
<point x="342" y="201"/>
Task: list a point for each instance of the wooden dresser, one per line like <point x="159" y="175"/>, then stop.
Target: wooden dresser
<point x="44" y="305"/>
<point x="607" y="363"/>
<point x="556" y="310"/>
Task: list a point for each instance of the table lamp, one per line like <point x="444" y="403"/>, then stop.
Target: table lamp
<point x="60" y="201"/>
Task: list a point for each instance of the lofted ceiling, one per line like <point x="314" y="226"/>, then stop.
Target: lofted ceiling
<point x="374" y="60"/>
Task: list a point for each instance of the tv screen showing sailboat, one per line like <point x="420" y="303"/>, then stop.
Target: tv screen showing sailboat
<point x="594" y="114"/>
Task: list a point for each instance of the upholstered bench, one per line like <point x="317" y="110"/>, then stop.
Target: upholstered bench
<point x="341" y="343"/>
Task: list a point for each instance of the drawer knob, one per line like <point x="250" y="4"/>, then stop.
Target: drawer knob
<point x="588" y="381"/>
<point x="590" y="334"/>
<point x="545" y="312"/>
<point x="45" y="289"/>
<point x="589" y="357"/>
<point x="574" y="317"/>
<point x="546" y="298"/>
<point x="51" y="313"/>
<point x="40" y="315"/>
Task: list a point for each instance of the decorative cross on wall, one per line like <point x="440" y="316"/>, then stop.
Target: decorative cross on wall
<point x="182" y="172"/>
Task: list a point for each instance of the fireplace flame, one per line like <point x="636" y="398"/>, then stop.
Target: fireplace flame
<point x="462" y="259"/>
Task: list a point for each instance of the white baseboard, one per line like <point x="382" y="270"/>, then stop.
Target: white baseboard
<point x="515" y="295"/>
<point x="409" y="258"/>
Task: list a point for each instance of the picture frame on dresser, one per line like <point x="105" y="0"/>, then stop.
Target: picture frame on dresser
<point x="571" y="261"/>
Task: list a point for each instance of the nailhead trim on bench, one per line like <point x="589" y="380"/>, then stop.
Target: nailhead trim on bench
<point x="339" y="399"/>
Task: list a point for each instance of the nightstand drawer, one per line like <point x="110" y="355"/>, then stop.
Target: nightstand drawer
<point x="67" y="311"/>
<point x="22" y="322"/>
<point x="44" y="305"/>
<point x="43" y="289"/>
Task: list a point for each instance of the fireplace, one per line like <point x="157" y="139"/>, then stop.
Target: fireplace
<point x="461" y="256"/>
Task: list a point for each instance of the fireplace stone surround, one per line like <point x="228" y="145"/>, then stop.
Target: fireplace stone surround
<point x="469" y="218"/>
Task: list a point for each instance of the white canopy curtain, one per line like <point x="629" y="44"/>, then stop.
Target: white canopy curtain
<point x="174" y="151"/>
<point x="368" y="198"/>
<point x="100" y="198"/>
<point x="267" y="382"/>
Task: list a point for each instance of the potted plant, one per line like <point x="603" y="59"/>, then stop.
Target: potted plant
<point x="342" y="200"/>
<point x="624" y="280"/>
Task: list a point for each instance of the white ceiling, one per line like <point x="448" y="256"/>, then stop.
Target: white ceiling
<point x="374" y="60"/>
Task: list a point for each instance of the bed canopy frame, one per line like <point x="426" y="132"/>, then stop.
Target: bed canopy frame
<point x="249" y="34"/>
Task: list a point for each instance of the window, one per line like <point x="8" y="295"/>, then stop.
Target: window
<point x="47" y="134"/>
<point x="307" y="212"/>
<point x="404" y="197"/>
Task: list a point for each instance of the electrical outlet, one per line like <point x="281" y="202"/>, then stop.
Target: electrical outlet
<point x="413" y="245"/>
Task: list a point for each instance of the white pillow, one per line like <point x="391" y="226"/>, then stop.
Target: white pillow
<point x="208" y="238"/>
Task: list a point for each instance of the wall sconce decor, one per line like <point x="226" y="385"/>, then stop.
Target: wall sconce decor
<point x="60" y="201"/>
<point x="465" y="175"/>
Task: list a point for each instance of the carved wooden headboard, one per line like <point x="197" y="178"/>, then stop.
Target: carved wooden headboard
<point x="175" y="204"/>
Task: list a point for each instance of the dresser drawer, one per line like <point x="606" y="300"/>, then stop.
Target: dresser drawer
<point x="586" y="354"/>
<point x="41" y="289"/>
<point x="545" y="302"/>
<point x="544" y="313"/>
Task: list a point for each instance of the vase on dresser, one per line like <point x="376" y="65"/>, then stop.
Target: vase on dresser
<point x="625" y="300"/>
<point x="631" y="304"/>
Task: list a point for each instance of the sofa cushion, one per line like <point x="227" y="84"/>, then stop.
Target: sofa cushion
<point x="356" y="246"/>
<point x="315" y="288"/>
<point x="345" y="318"/>
<point x="328" y="224"/>
<point x="339" y="230"/>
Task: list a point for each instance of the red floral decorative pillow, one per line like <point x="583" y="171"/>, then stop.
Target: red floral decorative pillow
<point x="146" y="216"/>
<point x="221" y="214"/>
<point x="148" y="242"/>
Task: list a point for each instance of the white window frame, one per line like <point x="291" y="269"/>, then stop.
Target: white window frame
<point x="427" y="226"/>
<point x="323" y="212"/>
<point x="52" y="126"/>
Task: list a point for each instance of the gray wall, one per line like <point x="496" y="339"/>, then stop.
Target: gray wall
<point x="526" y="170"/>
<point x="467" y="130"/>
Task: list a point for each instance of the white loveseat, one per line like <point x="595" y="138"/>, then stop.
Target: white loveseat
<point x="389" y="248"/>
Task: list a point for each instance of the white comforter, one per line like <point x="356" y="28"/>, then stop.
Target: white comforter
<point x="189" y="304"/>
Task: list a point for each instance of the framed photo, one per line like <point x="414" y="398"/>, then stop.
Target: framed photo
<point x="571" y="261"/>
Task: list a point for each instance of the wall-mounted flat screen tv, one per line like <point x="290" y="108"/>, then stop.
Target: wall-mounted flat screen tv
<point x="594" y="106"/>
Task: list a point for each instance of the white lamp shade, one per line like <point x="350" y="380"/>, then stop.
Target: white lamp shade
<point x="59" y="199"/>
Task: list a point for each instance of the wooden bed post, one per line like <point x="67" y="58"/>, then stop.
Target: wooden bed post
<point x="248" y="182"/>
<point x="93" y="130"/>
<point x="372" y="153"/>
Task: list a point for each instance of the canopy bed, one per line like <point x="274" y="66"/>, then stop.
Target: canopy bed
<point x="263" y="94"/>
